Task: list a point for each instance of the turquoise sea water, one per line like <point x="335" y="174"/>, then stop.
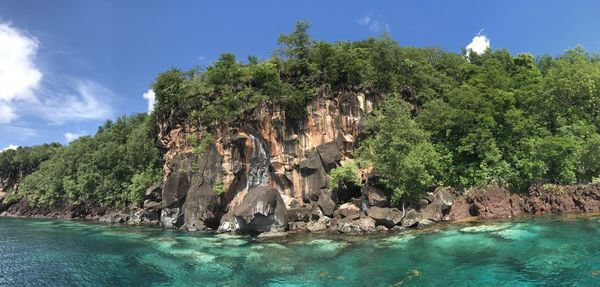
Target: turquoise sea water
<point x="537" y="252"/>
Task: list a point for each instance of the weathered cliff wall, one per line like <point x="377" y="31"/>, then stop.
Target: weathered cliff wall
<point x="265" y="148"/>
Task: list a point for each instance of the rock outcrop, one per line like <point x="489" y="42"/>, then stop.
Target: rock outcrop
<point x="261" y="210"/>
<point x="494" y="202"/>
<point x="264" y="148"/>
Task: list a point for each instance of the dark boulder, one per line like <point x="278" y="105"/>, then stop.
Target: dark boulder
<point x="151" y="204"/>
<point x="330" y="155"/>
<point x="376" y="196"/>
<point x="350" y="211"/>
<point x="439" y="205"/>
<point x="154" y="193"/>
<point x="389" y="217"/>
<point x="177" y="184"/>
<point x="299" y="214"/>
<point x="326" y="204"/>
<point x="261" y="210"/>
<point x="411" y="218"/>
<point x="314" y="177"/>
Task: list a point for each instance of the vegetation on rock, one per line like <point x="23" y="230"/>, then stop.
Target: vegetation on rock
<point x="345" y="174"/>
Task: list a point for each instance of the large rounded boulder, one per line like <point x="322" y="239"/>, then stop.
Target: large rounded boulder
<point x="261" y="210"/>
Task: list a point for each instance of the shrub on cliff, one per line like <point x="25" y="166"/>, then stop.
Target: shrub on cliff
<point x="347" y="173"/>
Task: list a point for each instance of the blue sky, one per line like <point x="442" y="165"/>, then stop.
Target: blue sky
<point x="67" y="65"/>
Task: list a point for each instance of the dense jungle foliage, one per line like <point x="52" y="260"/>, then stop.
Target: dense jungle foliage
<point x="17" y="163"/>
<point x="112" y="168"/>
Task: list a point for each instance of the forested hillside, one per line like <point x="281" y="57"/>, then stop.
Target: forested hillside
<point x="460" y="120"/>
<point x="16" y="164"/>
<point x="448" y="119"/>
<point x="112" y="168"/>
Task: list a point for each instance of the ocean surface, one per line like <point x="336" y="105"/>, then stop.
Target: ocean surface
<point x="552" y="251"/>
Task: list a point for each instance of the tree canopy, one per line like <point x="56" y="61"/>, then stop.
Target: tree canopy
<point x="112" y="168"/>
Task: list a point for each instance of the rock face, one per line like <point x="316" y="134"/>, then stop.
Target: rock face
<point x="261" y="210"/>
<point x="562" y="199"/>
<point x="264" y="148"/>
<point x="491" y="203"/>
<point x="494" y="202"/>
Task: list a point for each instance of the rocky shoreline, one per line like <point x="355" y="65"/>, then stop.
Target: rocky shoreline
<point x="264" y="213"/>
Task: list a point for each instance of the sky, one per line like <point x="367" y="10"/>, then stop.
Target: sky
<point x="66" y="66"/>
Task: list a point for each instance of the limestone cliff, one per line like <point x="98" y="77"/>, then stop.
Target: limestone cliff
<point x="264" y="148"/>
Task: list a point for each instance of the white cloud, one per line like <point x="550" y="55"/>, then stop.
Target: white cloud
<point x="80" y="100"/>
<point x="479" y="44"/>
<point x="9" y="147"/>
<point x="19" y="76"/>
<point x="7" y="113"/>
<point x="151" y="98"/>
<point x="72" y="136"/>
<point x="24" y="91"/>
<point x="375" y="25"/>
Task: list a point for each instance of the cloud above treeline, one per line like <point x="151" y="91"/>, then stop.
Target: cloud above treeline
<point x="18" y="75"/>
<point x="151" y="98"/>
<point x="73" y="136"/>
<point x="374" y="25"/>
<point x="479" y="44"/>
<point x="9" y="147"/>
<point x="26" y="92"/>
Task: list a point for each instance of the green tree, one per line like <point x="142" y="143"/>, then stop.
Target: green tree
<point x="400" y="151"/>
